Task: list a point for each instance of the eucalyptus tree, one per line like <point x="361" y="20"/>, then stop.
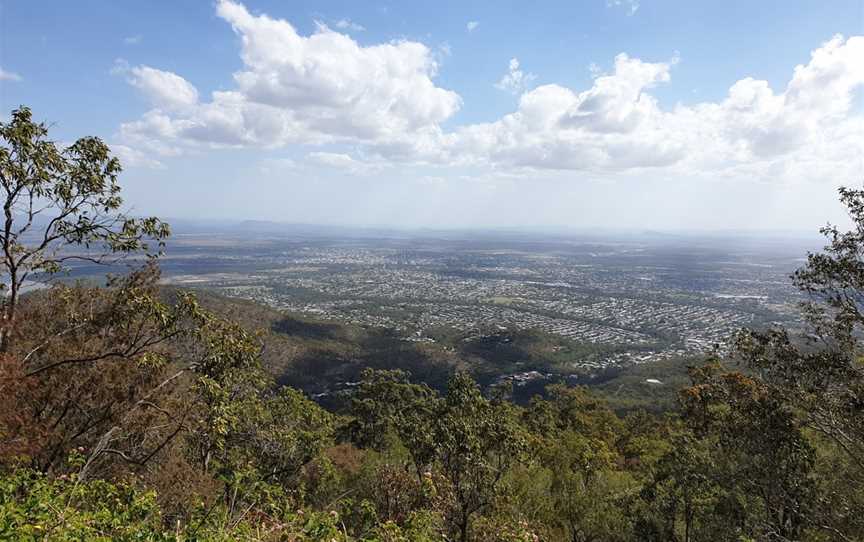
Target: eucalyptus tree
<point x="61" y="204"/>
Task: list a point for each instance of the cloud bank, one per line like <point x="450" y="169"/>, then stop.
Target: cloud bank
<point x="326" y="89"/>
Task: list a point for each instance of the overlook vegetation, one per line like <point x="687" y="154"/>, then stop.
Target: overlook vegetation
<point x="134" y="413"/>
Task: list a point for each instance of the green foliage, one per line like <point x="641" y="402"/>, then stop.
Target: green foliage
<point x="386" y="402"/>
<point x="471" y="441"/>
<point x="54" y="198"/>
<point x="34" y="506"/>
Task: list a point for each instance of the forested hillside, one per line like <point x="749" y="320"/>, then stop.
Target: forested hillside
<point x="134" y="413"/>
<point x="326" y="358"/>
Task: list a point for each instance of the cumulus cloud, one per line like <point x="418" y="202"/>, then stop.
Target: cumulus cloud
<point x="754" y="122"/>
<point x="515" y="80"/>
<point x="613" y="124"/>
<point x="472" y="25"/>
<point x="130" y="157"/>
<point x="382" y="100"/>
<point x="754" y="132"/>
<point x="133" y="40"/>
<point x="314" y="89"/>
<point x="165" y="90"/>
<point x="9" y="76"/>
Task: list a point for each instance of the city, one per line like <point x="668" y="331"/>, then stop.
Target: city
<point x="651" y="299"/>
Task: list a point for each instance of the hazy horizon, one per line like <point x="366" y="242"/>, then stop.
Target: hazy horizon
<point x="180" y="224"/>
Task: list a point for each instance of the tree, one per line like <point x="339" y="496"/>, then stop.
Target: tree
<point x="825" y="376"/>
<point x="387" y="404"/>
<point x="113" y="369"/>
<point x="477" y="443"/>
<point x="60" y="205"/>
<point x="760" y="451"/>
<point x="576" y="441"/>
<point x="684" y="500"/>
<point x="464" y="443"/>
<point x="820" y="375"/>
<point x="256" y="441"/>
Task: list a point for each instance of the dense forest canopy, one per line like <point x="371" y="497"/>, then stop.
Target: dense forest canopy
<point x="133" y="413"/>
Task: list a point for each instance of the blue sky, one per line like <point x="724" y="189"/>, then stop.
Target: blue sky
<point x="615" y="113"/>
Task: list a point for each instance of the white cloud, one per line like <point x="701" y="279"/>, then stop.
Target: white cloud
<point x="155" y="132"/>
<point x="133" y="40"/>
<point x="805" y="131"/>
<point x="9" y="76"/>
<point x="130" y="157"/>
<point x="343" y="162"/>
<point x="348" y="24"/>
<point x="613" y="125"/>
<point x="629" y="6"/>
<point x="165" y="90"/>
<point x="382" y="100"/>
<point x="313" y="89"/>
<point x="515" y="80"/>
<point x="472" y="25"/>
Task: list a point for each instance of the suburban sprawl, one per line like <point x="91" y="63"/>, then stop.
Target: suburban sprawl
<point x="652" y="299"/>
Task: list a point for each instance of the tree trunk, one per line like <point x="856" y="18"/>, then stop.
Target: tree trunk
<point x="463" y="526"/>
<point x="8" y="313"/>
<point x="688" y="519"/>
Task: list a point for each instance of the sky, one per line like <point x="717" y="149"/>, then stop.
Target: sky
<point x="623" y="114"/>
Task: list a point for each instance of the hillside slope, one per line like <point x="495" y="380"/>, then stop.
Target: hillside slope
<point x="323" y="357"/>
